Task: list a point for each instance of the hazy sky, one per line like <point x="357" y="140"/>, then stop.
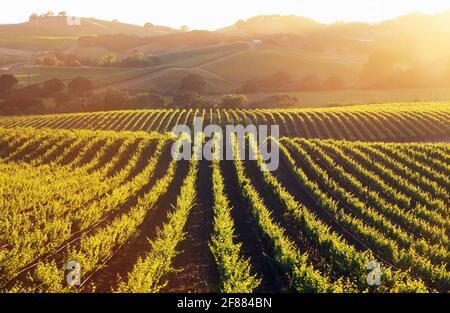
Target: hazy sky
<point x="212" y="14"/>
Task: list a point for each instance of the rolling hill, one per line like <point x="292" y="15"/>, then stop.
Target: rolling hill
<point x="412" y="49"/>
<point x="53" y="32"/>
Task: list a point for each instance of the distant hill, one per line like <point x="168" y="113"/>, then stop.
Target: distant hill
<point x="406" y="52"/>
<point x="410" y="24"/>
<point x="54" y="32"/>
<point x="58" y="25"/>
<point x="417" y="23"/>
<point x="122" y="42"/>
<point x="272" y="24"/>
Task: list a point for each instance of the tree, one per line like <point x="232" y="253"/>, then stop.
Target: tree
<point x="446" y="76"/>
<point x="80" y="87"/>
<point x="184" y="28"/>
<point x="310" y="82"/>
<point x="379" y="69"/>
<point x="52" y="87"/>
<point x="149" y="25"/>
<point x="279" y="81"/>
<point x="33" y="17"/>
<point x="240" y="24"/>
<point x="73" y="62"/>
<point x="108" y="60"/>
<point x="49" y="60"/>
<point x="334" y="83"/>
<point x="277" y="101"/>
<point x="139" y="59"/>
<point x="96" y="102"/>
<point x="62" y="14"/>
<point x="193" y="82"/>
<point x="155" y="100"/>
<point x="115" y="99"/>
<point x="62" y="99"/>
<point x="188" y="99"/>
<point x="233" y="101"/>
<point x="8" y="83"/>
<point x="49" y="13"/>
<point x="281" y="78"/>
<point x="32" y="91"/>
<point x="18" y="104"/>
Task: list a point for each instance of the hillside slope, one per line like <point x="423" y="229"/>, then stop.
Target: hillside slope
<point x="44" y="33"/>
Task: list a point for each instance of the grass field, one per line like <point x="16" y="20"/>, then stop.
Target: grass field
<point x="198" y="56"/>
<point x="167" y="81"/>
<point x="102" y="76"/>
<point x="230" y="64"/>
<point x="35" y="42"/>
<point x="260" y="63"/>
<point x="6" y="59"/>
<point x="39" y="74"/>
<point x="360" y="96"/>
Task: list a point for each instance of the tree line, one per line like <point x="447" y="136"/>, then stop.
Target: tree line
<point x="78" y="95"/>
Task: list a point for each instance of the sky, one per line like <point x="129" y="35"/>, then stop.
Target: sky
<point x="213" y="14"/>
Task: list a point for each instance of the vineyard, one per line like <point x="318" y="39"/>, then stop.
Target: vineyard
<point x="354" y="185"/>
<point x="383" y="122"/>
